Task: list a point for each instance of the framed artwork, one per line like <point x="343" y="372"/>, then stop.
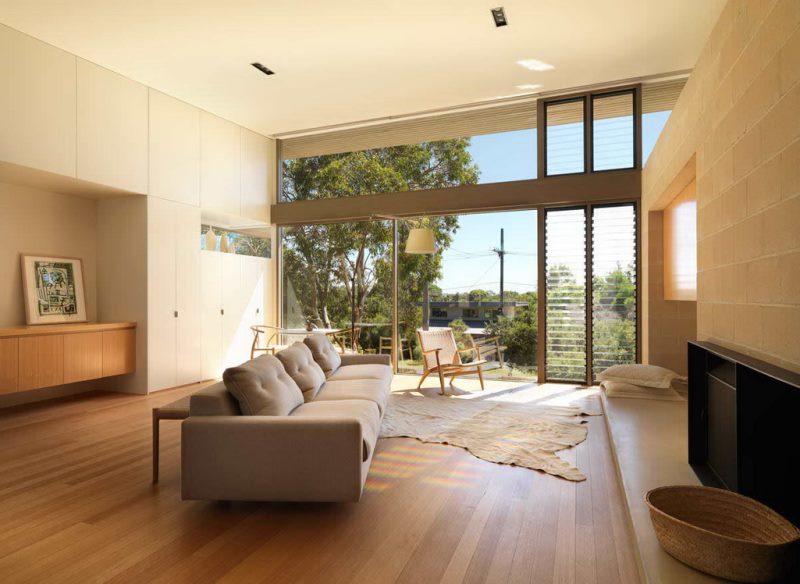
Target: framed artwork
<point x="53" y="289"/>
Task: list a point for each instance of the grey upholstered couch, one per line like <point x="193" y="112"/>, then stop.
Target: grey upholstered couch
<point x="300" y="426"/>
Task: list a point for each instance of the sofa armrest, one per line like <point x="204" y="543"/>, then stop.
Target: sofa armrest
<point x="365" y="359"/>
<point x="271" y="458"/>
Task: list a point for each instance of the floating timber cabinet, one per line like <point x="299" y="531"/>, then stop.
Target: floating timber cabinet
<point x="42" y="356"/>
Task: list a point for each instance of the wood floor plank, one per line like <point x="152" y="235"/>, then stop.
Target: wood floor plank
<point x="77" y="505"/>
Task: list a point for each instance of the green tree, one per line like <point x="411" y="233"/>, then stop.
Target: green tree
<point x="519" y="335"/>
<point x="333" y="267"/>
<point x="479" y="295"/>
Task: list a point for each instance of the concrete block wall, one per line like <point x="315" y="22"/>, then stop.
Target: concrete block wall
<point x="739" y="115"/>
<point x="672" y="323"/>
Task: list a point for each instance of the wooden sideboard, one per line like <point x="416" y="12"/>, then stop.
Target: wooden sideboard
<point x="32" y="357"/>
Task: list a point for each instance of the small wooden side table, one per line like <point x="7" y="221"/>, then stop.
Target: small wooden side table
<point x="177" y="410"/>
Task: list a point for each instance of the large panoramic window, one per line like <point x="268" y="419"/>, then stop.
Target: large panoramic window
<point x="487" y="158"/>
<point x="338" y="277"/>
<point x="504" y="156"/>
<point x="482" y="284"/>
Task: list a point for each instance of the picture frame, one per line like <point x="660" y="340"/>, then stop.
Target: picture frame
<point x="53" y="289"/>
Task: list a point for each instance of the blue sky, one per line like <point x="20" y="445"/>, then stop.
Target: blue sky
<point x="470" y="262"/>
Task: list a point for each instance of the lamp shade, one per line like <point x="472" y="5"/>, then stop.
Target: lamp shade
<point x="421" y="241"/>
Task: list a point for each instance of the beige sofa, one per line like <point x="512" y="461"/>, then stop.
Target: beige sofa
<point x="299" y="426"/>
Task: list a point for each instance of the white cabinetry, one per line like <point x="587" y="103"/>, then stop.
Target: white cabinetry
<point x="112" y="129"/>
<point x="220" y="180"/>
<point x="37" y="104"/>
<point x="257" y="152"/>
<point x="174" y="159"/>
<point x="232" y="300"/>
<point x="173" y="297"/>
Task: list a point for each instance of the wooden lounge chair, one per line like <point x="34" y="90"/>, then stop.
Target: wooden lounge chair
<point x="346" y="339"/>
<point x="264" y="337"/>
<point x="441" y="355"/>
<point x="402" y="343"/>
<point x="488" y="347"/>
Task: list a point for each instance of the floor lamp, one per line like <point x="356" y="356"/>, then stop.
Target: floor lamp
<point x="422" y="242"/>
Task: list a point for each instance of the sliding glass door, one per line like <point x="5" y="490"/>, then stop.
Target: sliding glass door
<point x="338" y="276"/>
<point x="482" y="282"/>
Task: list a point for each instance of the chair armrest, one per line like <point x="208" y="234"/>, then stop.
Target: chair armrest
<point x="429" y="351"/>
<point x="362" y="359"/>
<point x="278" y="458"/>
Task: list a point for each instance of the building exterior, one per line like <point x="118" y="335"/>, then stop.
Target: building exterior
<point x="476" y="315"/>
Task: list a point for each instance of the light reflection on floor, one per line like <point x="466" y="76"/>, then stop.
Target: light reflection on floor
<point x="400" y="459"/>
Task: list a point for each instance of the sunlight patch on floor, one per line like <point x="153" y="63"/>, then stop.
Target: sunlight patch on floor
<point x="554" y="394"/>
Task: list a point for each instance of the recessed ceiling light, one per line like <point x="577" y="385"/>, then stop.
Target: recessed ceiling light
<point x="529" y="86"/>
<point x="499" y="16"/>
<point x="263" y="69"/>
<point x="535" y="65"/>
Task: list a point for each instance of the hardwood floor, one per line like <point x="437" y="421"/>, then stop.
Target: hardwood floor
<point x="77" y="505"/>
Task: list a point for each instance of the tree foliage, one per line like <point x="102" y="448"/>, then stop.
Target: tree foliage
<point x="337" y="267"/>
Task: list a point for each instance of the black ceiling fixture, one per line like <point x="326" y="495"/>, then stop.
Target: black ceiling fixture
<point x="499" y="15"/>
<point x="263" y="69"/>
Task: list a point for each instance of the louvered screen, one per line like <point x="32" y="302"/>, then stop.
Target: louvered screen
<point x="613" y="286"/>
<point x="565" y="302"/>
<point x="565" y="152"/>
<point x="612" y="133"/>
<point x="519" y="115"/>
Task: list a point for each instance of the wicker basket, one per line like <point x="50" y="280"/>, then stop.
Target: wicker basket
<point x="723" y="533"/>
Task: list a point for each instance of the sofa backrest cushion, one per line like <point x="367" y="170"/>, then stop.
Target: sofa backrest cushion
<point x="263" y="387"/>
<point x="300" y="365"/>
<point x="324" y="353"/>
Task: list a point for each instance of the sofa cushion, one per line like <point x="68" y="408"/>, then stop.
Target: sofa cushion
<point x="374" y="390"/>
<point x="364" y="411"/>
<point x="300" y="365"/>
<point x="324" y="353"/>
<point x="263" y="387"/>
<point x="368" y="371"/>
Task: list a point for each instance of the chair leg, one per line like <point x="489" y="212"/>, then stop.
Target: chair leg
<point x="424" y="375"/>
<point x="441" y="380"/>
<point x="480" y="375"/>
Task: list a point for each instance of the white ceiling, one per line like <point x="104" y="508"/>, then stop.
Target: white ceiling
<point x="340" y="61"/>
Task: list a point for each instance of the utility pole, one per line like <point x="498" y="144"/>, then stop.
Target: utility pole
<point x="501" y="253"/>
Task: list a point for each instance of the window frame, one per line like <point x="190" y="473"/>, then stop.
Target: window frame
<point x="589" y="292"/>
<point x="637" y="123"/>
<point x="588" y="98"/>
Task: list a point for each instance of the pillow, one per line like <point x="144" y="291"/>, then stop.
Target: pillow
<point x="642" y="375"/>
<point x="300" y="365"/>
<point x="627" y="390"/>
<point x="324" y="353"/>
<point x="263" y="387"/>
